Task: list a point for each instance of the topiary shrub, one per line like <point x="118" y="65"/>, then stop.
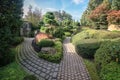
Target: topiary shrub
<point x="30" y="77"/>
<point x="110" y="71"/>
<point x="87" y="47"/>
<point x="67" y="34"/>
<point x="46" y="43"/>
<point x="108" y="51"/>
<point x="56" y="58"/>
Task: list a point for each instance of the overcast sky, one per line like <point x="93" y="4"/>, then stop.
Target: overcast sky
<point x="73" y="7"/>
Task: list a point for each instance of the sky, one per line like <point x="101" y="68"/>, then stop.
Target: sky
<point x="73" y="7"/>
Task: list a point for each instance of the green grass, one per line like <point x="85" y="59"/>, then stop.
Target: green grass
<point x="91" y="69"/>
<point x="12" y="71"/>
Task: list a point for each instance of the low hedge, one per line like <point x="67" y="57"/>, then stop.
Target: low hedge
<point x="56" y="58"/>
<point x="87" y="33"/>
<point x="46" y="43"/>
<point x="87" y="47"/>
<point x="108" y="51"/>
<point x="110" y="71"/>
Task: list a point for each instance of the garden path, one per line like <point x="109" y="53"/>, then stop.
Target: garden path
<point x="70" y="68"/>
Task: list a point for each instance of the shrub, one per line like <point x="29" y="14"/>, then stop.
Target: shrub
<point x="56" y="58"/>
<point x="111" y="71"/>
<point x="108" y="51"/>
<point x="91" y="69"/>
<point x="94" y="34"/>
<point x="46" y="43"/>
<point x="87" y="47"/>
<point x="59" y="33"/>
<point x="8" y="57"/>
<point x="67" y="34"/>
<point x="17" y="40"/>
<point x="30" y="77"/>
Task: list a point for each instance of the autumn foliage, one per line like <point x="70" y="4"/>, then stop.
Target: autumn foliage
<point x="113" y="17"/>
<point x="100" y="10"/>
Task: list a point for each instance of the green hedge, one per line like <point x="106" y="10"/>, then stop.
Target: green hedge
<point x="110" y="71"/>
<point x="108" y="51"/>
<point x="87" y="47"/>
<point x="46" y="43"/>
<point x="87" y="33"/>
<point x="56" y="58"/>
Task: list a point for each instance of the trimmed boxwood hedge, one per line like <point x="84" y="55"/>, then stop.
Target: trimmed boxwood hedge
<point x="110" y="71"/>
<point x="46" y="43"/>
<point x="56" y="58"/>
<point x="87" y="47"/>
<point x="108" y="51"/>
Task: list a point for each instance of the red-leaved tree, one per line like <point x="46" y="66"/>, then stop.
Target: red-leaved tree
<point x="99" y="14"/>
<point x="113" y="17"/>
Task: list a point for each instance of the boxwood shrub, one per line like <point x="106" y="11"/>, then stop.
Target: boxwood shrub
<point x="110" y="71"/>
<point x="87" y="47"/>
<point x="108" y="51"/>
<point x="56" y="58"/>
<point x="46" y="43"/>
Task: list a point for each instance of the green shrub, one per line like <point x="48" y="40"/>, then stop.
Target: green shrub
<point x="110" y="71"/>
<point x="46" y="43"/>
<point x="59" y="33"/>
<point x="108" y="51"/>
<point x="56" y="58"/>
<point x="87" y="47"/>
<point x="94" y="34"/>
<point x="67" y="34"/>
<point x="17" y="40"/>
<point x="8" y="57"/>
<point x="12" y="71"/>
<point x="91" y="69"/>
<point x="30" y="77"/>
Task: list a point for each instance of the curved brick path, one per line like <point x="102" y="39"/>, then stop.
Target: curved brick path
<point x="70" y="68"/>
<point x="29" y="60"/>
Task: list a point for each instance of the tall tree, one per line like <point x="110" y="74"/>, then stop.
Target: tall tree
<point x="10" y="22"/>
<point x="115" y="5"/>
<point x="34" y="17"/>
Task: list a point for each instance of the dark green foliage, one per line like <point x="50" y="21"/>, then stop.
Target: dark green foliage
<point x="115" y="5"/>
<point x="110" y="71"/>
<point x="30" y="77"/>
<point x="8" y="57"/>
<point x="49" y="18"/>
<point x="56" y="58"/>
<point x="59" y="33"/>
<point x="87" y="47"/>
<point x="10" y="22"/>
<point x="109" y="51"/>
<point x="46" y="43"/>
<point x="18" y="40"/>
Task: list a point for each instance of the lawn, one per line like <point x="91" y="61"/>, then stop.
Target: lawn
<point x="12" y="71"/>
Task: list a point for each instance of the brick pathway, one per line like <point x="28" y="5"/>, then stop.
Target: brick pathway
<point x="70" y="68"/>
<point x="29" y="60"/>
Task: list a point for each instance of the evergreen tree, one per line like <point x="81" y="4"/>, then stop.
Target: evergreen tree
<point x="10" y="22"/>
<point x="115" y="5"/>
